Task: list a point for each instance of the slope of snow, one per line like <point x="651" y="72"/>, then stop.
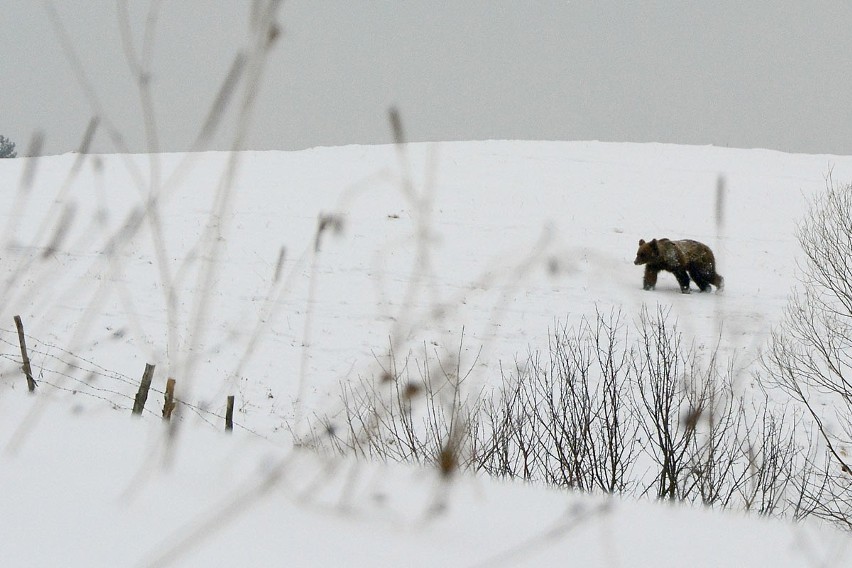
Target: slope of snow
<point x="475" y="246"/>
<point x="94" y="489"/>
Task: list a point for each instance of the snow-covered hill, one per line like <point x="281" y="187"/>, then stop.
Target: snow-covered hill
<point x="299" y="274"/>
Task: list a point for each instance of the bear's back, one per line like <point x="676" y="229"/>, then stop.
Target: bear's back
<point x="696" y="252"/>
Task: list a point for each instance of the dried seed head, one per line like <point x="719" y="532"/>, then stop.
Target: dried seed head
<point x="411" y="391"/>
<point x="331" y="222"/>
<point x="691" y="418"/>
<point x="396" y="125"/>
<point x="447" y="461"/>
<point x="272" y="35"/>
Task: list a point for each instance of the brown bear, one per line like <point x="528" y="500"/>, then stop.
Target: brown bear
<point x="685" y="259"/>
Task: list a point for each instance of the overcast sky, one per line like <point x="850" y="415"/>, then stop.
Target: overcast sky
<point x="741" y="73"/>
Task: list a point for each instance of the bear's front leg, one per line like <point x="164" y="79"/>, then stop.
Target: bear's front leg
<point x="650" y="278"/>
<point x="683" y="280"/>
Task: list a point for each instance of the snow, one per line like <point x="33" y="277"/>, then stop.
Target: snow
<point x="474" y="246"/>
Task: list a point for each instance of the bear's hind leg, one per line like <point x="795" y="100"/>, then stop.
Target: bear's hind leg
<point x="701" y="280"/>
<point x="718" y="282"/>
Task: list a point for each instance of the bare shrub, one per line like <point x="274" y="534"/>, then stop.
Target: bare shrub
<point x="566" y="421"/>
<point x="413" y="412"/>
<point x="664" y="398"/>
<point x="810" y="355"/>
<point x="694" y="423"/>
<point x="709" y="444"/>
<point x="605" y="410"/>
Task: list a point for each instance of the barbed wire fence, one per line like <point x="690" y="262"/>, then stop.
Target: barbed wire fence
<point x="62" y="370"/>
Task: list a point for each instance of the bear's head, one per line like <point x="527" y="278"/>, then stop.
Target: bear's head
<point x="647" y="252"/>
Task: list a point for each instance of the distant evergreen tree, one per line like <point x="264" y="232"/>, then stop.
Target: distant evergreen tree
<point x="7" y="148"/>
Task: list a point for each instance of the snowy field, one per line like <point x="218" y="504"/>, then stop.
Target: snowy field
<point x="235" y="287"/>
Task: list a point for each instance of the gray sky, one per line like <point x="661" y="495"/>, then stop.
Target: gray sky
<point x="740" y="73"/>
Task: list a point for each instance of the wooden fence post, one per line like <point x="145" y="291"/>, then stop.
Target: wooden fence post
<point x="28" y="372"/>
<point x="229" y="414"/>
<point x="142" y="393"/>
<point x="169" y="404"/>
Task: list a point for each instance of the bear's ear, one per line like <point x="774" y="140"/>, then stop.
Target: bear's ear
<point x="641" y="242"/>
<point x="653" y="244"/>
